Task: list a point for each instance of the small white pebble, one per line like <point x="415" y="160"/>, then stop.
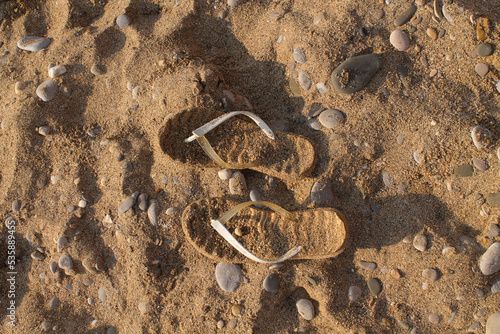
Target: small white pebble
<point x="82" y="203"/>
<point x="171" y="211"/>
<point x="225" y="174"/>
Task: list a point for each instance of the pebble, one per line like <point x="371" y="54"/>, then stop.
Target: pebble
<point x="44" y="130"/>
<point x="61" y="242"/>
<point x="481" y="69"/>
<point x="374" y="286"/>
<point x="355" y="73"/>
<point x="128" y="203"/>
<point x="489" y="263"/>
<point x="16" y="206"/>
<point x="331" y="118"/>
<point x="299" y="56"/>
<point x="432" y="33"/>
<point x="321" y="192"/>
<point x="480" y="164"/>
<point x="47" y="90"/>
<point x="493" y="199"/>
<point x="220" y="324"/>
<point x="367" y="265"/>
<point x="88" y="281"/>
<point x="36" y="255"/>
<point x="45" y="325"/>
<point x="225" y="174"/>
<point x="237" y="184"/>
<point x="431" y="274"/>
<point x="378" y="13"/>
<point x="493" y="231"/>
<point x="153" y="212"/>
<point x="464" y="170"/>
<point x="33" y="44"/>
<point x="354" y="293"/>
<point x="420" y="242"/>
<point x="434" y="319"/>
<point x="496" y="286"/>
<point x="395" y="273"/>
<point x="142" y="201"/>
<point x="82" y="203"/>
<point x="65" y="262"/>
<point x="228" y="276"/>
<point x="122" y="21"/>
<point x="97" y="69"/>
<point x="493" y="324"/>
<point x="101" y="293"/>
<point x="53" y="267"/>
<point x="57" y="71"/>
<point x="236" y="309"/>
<point x="321" y="87"/>
<point x="232" y="323"/>
<point x="100" y="264"/>
<point x="20" y="86"/>
<point x="304" y="81"/>
<point x="399" y="39"/>
<point x="271" y="284"/>
<point x="314" y="124"/>
<point x="54" y="303"/>
<point x="405" y="16"/>
<point x="484" y="50"/>
<point x="232" y="3"/>
<point x="305" y="308"/>
<point x="481" y="137"/>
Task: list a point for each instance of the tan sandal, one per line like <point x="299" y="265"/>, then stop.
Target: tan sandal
<point x="219" y="227"/>
<point x="238" y="143"/>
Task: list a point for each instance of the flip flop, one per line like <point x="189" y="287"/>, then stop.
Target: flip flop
<point x="238" y="143"/>
<point x="219" y="227"/>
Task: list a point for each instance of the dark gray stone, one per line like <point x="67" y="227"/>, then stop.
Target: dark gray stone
<point x="374" y="286"/>
<point x="405" y="16"/>
<point x="355" y="73"/>
<point x="484" y="50"/>
<point x="128" y="203"/>
<point x="65" y="262"/>
<point x="271" y="284"/>
<point x="305" y="308"/>
<point x="123" y="21"/>
<point x="489" y="263"/>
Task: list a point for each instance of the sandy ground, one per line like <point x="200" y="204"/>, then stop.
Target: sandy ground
<point x="184" y="54"/>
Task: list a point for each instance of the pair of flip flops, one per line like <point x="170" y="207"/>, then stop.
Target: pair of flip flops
<point x="219" y="227"/>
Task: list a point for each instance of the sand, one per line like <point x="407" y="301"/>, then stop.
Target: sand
<point x="184" y="54"/>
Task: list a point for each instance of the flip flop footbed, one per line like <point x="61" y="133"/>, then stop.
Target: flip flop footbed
<point x="237" y="141"/>
<point x="321" y="232"/>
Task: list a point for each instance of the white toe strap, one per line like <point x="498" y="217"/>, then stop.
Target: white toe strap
<point x="204" y="129"/>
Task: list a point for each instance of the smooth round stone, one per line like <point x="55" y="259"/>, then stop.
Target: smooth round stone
<point x="399" y="39"/>
<point x="464" y="170"/>
<point x="36" y="255"/>
<point x="232" y="3"/>
<point x="484" y="50"/>
<point x="65" y="262"/>
<point x="97" y="69"/>
<point x="331" y="118"/>
<point x="432" y="33"/>
<point x="236" y="309"/>
<point x="405" y="16"/>
<point x="61" y="242"/>
<point x="142" y="201"/>
<point x="128" y="203"/>
<point x="480" y="164"/>
<point x="314" y="124"/>
<point x="321" y="87"/>
<point x="255" y="195"/>
<point x="496" y="286"/>
<point x="304" y="81"/>
<point x="237" y="184"/>
<point x="367" y="265"/>
<point x="57" y="71"/>
<point x="53" y="267"/>
<point x="153" y="212"/>
<point x="54" y="303"/>
<point x="101" y="293"/>
<point x="228" y="276"/>
<point x="420" y="242"/>
<point x="354" y="293"/>
<point x="45" y="325"/>
<point x="271" y="284"/>
<point x="33" y="44"/>
<point x="434" y="319"/>
<point x="489" y="263"/>
<point x="482" y="69"/>
<point x="374" y="286"/>
<point x="481" y="137"/>
<point x="355" y="73"/>
<point x="44" y="130"/>
<point x="321" y="192"/>
<point x="16" y="206"/>
<point x="305" y="308"/>
<point x="430" y="274"/>
<point x="47" y="90"/>
<point x="225" y="174"/>
<point x="122" y="21"/>
<point x="493" y="231"/>
<point x="82" y="203"/>
<point x="493" y="324"/>
<point x="299" y="56"/>
<point x="378" y="13"/>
